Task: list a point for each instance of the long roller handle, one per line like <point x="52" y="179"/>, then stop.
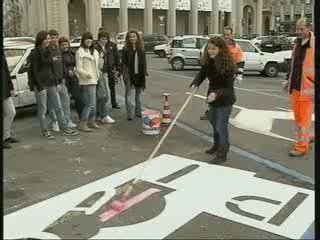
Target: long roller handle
<point x="156" y="149"/>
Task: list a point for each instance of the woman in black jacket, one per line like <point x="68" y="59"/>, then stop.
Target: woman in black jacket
<point x="220" y="70"/>
<point x="134" y="72"/>
<point x="45" y="86"/>
<point x="69" y="65"/>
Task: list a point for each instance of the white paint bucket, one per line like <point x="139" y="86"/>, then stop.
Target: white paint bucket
<point x="151" y="122"/>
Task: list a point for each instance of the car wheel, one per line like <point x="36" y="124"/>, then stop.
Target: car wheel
<point x="271" y="70"/>
<point x="177" y="63"/>
<point x="162" y="54"/>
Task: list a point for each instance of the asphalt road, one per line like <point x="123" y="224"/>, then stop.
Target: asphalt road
<point x="48" y="184"/>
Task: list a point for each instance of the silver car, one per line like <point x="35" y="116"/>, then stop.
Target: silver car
<point x="268" y="64"/>
<point x="185" y="51"/>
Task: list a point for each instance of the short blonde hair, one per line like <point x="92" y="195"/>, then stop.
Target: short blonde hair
<point x="304" y="21"/>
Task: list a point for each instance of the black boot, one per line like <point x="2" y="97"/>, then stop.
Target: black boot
<point x="212" y="150"/>
<point x="205" y="116"/>
<point x="221" y="155"/>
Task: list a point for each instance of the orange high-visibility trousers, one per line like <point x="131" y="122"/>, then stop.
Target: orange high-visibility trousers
<point x="302" y="108"/>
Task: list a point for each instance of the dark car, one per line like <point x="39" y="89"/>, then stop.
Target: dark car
<point x="275" y="44"/>
<point x="152" y="40"/>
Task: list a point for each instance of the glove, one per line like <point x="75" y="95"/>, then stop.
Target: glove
<point x="239" y="78"/>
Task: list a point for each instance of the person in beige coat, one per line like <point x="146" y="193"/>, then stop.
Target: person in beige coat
<point x="87" y="67"/>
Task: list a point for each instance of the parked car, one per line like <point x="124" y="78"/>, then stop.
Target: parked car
<point x="17" y="56"/>
<point x="185" y="51"/>
<point x="162" y="50"/>
<point x="272" y="43"/>
<point x="250" y="37"/>
<point x="19" y="39"/>
<point x="276" y="44"/>
<point x="268" y="64"/>
<point x="121" y="38"/>
<point x="152" y="40"/>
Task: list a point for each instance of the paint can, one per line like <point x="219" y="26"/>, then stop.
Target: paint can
<point x="151" y="122"/>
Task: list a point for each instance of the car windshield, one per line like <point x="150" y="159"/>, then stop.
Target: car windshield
<point x="13" y="57"/>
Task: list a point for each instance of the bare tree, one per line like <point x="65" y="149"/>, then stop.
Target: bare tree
<point x="12" y="13"/>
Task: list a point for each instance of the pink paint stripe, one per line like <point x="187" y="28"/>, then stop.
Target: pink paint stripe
<point x="127" y="204"/>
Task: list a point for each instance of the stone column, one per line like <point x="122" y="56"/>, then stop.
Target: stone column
<point x="302" y="9"/>
<point x="123" y="16"/>
<point x="94" y="18"/>
<point x="282" y="11"/>
<point x="291" y="12"/>
<point x="214" y="16"/>
<point x="172" y="18"/>
<point x="259" y="14"/>
<point x="148" y="17"/>
<point x="64" y="29"/>
<point x="194" y="17"/>
<point x="272" y="21"/>
<point x="240" y="20"/>
<point x="222" y="16"/>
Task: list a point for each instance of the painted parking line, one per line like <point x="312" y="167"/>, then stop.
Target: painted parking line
<point x="242" y="89"/>
<point x="246" y="119"/>
<point x="257" y="203"/>
<point x="265" y="90"/>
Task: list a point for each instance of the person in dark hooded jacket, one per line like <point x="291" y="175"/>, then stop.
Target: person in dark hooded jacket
<point x="9" y="110"/>
<point x="72" y="81"/>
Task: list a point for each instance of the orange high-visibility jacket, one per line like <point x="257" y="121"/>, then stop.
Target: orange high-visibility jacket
<point x="236" y="52"/>
<point x="307" y="78"/>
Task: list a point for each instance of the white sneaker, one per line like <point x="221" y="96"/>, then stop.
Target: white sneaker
<point x="55" y="127"/>
<point x="72" y="125"/>
<point x="108" y="119"/>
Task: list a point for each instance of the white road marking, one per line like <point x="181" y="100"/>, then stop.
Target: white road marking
<point x="242" y="89"/>
<point x="241" y="202"/>
<point x="285" y="109"/>
<point x="258" y="121"/>
<point x="265" y="90"/>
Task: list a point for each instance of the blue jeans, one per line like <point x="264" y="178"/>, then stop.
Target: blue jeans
<point x="102" y="97"/>
<point x="219" y="119"/>
<point x="138" y="100"/>
<point x="55" y="106"/>
<point x="65" y="103"/>
<point x="88" y="93"/>
<point x="41" y="98"/>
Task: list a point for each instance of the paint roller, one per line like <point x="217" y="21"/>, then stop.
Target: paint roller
<point x="118" y="205"/>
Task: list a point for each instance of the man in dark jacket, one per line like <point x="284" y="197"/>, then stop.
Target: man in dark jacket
<point x="111" y="63"/>
<point x="57" y="66"/>
<point x="9" y="110"/>
<point x="103" y="114"/>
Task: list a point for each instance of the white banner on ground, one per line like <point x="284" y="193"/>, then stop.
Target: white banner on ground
<point x="174" y="191"/>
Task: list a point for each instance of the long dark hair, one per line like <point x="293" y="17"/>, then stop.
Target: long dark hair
<point x="138" y="43"/>
<point x="41" y="36"/>
<point x="224" y="61"/>
<point x="85" y="36"/>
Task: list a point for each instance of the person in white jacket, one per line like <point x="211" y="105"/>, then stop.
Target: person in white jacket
<point x="87" y="67"/>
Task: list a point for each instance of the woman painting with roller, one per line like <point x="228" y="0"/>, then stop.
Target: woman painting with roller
<point x="220" y="69"/>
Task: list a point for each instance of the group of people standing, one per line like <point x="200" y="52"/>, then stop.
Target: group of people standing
<point x="57" y="74"/>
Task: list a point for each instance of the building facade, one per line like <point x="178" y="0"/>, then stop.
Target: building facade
<point x="285" y="13"/>
<point x="170" y="17"/>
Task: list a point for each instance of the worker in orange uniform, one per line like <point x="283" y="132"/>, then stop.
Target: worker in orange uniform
<point x="300" y="85"/>
<point x="237" y="55"/>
